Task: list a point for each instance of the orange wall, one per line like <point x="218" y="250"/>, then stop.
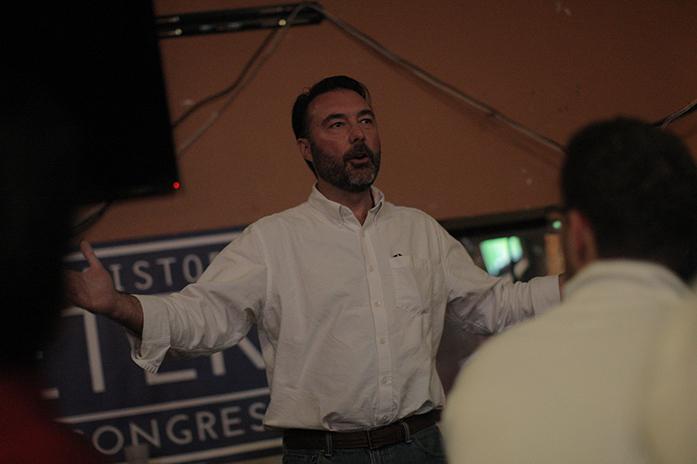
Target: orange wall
<point x="551" y="65"/>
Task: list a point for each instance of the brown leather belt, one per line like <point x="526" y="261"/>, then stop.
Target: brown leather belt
<point x="386" y="435"/>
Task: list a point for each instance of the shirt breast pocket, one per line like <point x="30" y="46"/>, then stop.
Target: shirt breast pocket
<point x="412" y="282"/>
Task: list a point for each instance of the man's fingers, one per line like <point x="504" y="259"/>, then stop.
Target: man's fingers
<point x="89" y="254"/>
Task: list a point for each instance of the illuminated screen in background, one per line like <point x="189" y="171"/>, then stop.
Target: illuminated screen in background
<point x="500" y="253"/>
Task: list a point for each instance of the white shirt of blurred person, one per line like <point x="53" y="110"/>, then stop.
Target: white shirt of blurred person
<point x="671" y="413"/>
<point x="570" y="386"/>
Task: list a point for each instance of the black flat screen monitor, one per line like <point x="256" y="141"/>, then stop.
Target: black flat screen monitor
<point x="101" y="64"/>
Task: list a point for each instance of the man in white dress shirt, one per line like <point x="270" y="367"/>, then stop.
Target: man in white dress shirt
<point x="348" y="292"/>
<point x="570" y="386"/>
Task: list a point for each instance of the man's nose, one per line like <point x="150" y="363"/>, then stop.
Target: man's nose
<point x="356" y="134"/>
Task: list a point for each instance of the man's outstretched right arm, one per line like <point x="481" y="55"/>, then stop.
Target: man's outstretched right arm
<point x="93" y="289"/>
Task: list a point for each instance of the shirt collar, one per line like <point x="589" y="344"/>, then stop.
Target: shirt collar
<point x="339" y="213"/>
<point x="644" y="273"/>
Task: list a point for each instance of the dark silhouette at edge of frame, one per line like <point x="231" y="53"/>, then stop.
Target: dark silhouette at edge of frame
<point x="40" y="152"/>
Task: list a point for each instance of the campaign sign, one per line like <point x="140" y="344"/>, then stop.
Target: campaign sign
<point x="203" y="410"/>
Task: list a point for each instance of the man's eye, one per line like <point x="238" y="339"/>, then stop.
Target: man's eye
<point x="337" y="124"/>
<point x="367" y="121"/>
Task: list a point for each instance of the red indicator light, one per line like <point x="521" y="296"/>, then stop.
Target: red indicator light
<point x="176" y="185"/>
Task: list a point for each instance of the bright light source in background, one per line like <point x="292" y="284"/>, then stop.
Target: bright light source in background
<point x="500" y="252"/>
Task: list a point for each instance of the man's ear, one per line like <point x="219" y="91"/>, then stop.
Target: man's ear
<point x="305" y="149"/>
<point x="582" y="242"/>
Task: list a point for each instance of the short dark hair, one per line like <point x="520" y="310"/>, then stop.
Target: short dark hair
<point x="637" y="185"/>
<point x="299" y="117"/>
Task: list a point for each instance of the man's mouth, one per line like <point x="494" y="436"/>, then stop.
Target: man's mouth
<point x="359" y="157"/>
<point x="360" y="161"/>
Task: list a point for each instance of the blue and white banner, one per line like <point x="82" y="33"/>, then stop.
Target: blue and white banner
<point x="205" y="410"/>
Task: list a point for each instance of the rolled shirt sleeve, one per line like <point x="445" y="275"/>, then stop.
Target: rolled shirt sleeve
<point x="210" y="315"/>
<point x="485" y="304"/>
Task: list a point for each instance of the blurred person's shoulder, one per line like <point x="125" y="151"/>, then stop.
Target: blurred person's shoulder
<point x="30" y="433"/>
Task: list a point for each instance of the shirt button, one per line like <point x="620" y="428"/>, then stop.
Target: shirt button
<point x="377" y="303"/>
<point x="385" y="380"/>
<point x="371" y="268"/>
<point x="384" y="418"/>
<point x="382" y="340"/>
